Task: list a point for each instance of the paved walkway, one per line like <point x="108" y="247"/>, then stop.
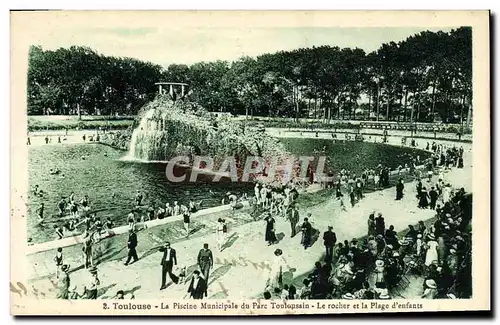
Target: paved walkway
<point x="240" y="270"/>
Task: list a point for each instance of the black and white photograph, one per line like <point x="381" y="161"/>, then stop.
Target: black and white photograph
<point x="266" y="168"/>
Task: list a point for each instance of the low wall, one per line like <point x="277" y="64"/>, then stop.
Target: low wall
<point x="76" y="240"/>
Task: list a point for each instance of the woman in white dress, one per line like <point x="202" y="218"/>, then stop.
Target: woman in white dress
<point x="221" y="235"/>
<point x="431" y="255"/>
<point x="275" y="279"/>
<point x="446" y="193"/>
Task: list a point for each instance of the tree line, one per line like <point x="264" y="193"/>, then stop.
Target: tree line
<point x="426" y="77"/>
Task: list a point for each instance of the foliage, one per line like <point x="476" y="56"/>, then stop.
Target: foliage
<point x="424" y="78"/>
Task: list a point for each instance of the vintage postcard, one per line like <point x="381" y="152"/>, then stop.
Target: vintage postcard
<point x="249" y="163"/>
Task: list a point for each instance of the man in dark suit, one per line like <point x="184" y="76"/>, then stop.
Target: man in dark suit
<point x="293" y="216"/>
<point x="168" y="260"/>
<point x="132" y="244"/>
<point x="205" y="261"/>
<point x="330" y="239"/>
<point x="197" y="287"/>
<point x="433" y="194"/>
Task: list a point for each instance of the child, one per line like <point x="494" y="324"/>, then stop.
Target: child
<point x="59" y="231"/>
<point x="59" y="261"/>
<point x="74" y="294"/>
<point x="182" y="276"/>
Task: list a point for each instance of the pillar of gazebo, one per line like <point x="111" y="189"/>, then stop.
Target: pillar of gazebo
<point x="160" y="89"/>
<point x="171" y="90"/>
<point x="182" y="90"/>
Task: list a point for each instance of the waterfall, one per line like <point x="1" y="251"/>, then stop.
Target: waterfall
<point x="142" y="141"/>
<point x="167" y="129"/>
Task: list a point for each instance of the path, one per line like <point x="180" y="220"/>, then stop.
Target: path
<point x="240" y="269"/>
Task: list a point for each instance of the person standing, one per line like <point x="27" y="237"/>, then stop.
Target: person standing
<point x="221" y="236"/>
<point x="433" y="195"/>
<point x="293" y="217"/>
<point x="205" y="261"/>
<point x="64" y="283"/>
<point x="87" y="250"/>
<point x="197" y="287"/>
<point x="371" y="225"/>
<point x="94" y="283"/>
<point x="423" y="202"/>
<point x="59" y="261"/>
<point x="138" y="198"/>
<point x="168" y="260"/>
<point x="330" y="239"/>
<point x="187" y="220"/>
<point x="132" y="244"/>
<point x="399" y="189"/>
<point x="270" y="236"/>
<point x="306" y="232"/>
<point x="380" y="224"/>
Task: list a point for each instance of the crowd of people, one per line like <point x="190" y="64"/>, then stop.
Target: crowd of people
<point x="377" y="266"/>
<point x="382" y="264"/>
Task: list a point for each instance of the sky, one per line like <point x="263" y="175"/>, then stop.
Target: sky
<point x="188" y="45"/>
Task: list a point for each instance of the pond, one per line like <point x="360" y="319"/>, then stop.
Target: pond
<point x="352" y="155"/>
<point x="111" y="184"/>
<point x="97" y="171"/>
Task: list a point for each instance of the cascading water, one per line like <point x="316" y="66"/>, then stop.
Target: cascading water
<point x="168" y="129"/>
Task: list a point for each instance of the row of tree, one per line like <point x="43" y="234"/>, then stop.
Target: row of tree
<point x="428" y="76"/>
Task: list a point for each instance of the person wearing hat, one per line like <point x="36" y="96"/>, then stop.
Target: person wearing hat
<point x="64" y="283"/>
<point x="430" y="290"/>
<point x="423" y="198"/>
<point x="431" y="255"/>
<point x="94" y="283"/>
<point x="270" y="235"/>
<point x="205" y="261"/>
<point x="131" y="245"/>
<point x="306" y="232"/>
<point x="120" y="294"/>
<point x="433" y="195"/>
<point x="197" y="287"/>
<point x="329" y="240"/>
<point x="379" y="273"/>
<point x="275" y="278"/>
<point x="348" y="296"/>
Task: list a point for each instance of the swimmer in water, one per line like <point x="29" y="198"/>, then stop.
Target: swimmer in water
<point x="138" y="198"/>
<point x="61" y="206"/>
<point x="85" y="203"/>
<point x="59" y="231"/>
<point x="168" y="210"/>
<point x="71" y="198"/>
<point x="176" y="209"/>
<point x="39" y="212"/>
